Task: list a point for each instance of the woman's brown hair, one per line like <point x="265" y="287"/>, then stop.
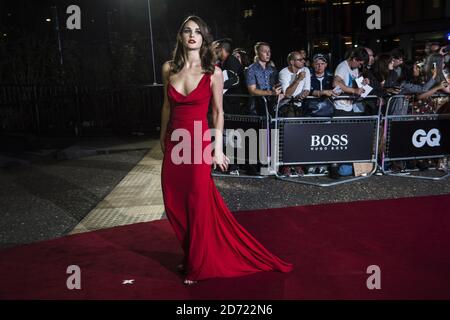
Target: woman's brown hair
<point x="206" y="53"/>
<point x="381" y="66"/>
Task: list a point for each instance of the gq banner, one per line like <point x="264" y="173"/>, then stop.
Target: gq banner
<point x="335" y="141"/>
<point x="418" y="138"/>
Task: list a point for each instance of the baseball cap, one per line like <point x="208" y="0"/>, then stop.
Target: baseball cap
<point x="321" y="57"/>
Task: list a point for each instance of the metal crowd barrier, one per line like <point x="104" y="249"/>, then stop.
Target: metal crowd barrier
<point x="245" y="122"/>
<point x="325" y="140"/>
<point x="414" y="137"/>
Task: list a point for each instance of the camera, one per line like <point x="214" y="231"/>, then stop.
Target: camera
<point x="447" y="49"/>
<point x="446" y="74"/>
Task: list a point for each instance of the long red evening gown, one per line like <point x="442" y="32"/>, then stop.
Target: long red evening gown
<point x="214" y="243"/>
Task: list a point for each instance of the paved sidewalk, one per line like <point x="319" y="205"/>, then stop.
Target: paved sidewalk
<point x="49" y="184"/>
<point x="137" y="198"/>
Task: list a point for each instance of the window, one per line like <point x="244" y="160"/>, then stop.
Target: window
<point x="433" y="9"/>
<point x="416" y="10"/>
<point x="387" y="13"/>
<point x="412" y="10"/>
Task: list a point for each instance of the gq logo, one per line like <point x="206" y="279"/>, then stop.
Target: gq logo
<point x="432" y="138"/>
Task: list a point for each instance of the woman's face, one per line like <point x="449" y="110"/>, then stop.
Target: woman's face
<point x="391" y="64"/>
<point x="191" y="36"/>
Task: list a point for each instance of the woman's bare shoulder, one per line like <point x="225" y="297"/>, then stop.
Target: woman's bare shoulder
<point x="166" y="69"/>
<point x="217" y="73"/>
<point x="167" y="66"/>
<point x="217" y="70"/>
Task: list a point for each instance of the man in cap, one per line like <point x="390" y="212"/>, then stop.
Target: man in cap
<point x="321" y="80"/>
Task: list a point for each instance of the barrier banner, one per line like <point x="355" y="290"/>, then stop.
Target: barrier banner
<point x="245" y="138"/>
<point x="418" y="138"/>
<point x="245" y="122"/>
<point x="322" y="142"/>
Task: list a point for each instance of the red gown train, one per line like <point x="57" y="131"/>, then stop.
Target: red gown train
<point x="214" y="243"/>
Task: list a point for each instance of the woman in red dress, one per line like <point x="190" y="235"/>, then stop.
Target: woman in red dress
<point x="214" y="243"/>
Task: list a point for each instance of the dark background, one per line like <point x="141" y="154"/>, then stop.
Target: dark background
<point x="113" y="45"/>
<point x="101" y="80"/>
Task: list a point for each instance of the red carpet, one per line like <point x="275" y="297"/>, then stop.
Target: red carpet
<point x="330" y="245"/>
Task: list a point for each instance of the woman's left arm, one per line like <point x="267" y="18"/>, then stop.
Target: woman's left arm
<point x="217" y="117"/>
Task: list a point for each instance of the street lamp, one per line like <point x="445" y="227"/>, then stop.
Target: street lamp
<point x="58" y="34"/>
<point x="151" y="40"/>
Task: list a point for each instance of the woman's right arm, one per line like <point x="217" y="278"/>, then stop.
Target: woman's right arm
<point x="408" y="87"/>
<point x="165" y="112"/>
<point x="432" y="91"/>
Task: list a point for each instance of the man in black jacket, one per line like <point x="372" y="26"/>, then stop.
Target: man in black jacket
<point x="233" y="73"/>
<point x="232" y="69"/>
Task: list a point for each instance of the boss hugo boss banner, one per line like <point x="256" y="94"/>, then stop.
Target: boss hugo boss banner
<point x="336" y="140"/>
<point x="418" y="138"/>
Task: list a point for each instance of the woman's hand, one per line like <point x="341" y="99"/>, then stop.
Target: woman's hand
<point x="434" y="73"/>
<point x="163" y="144"/>
<point x="393" y="90"/>
<point x="444" y="86"/>
<point x="220" y="160"/>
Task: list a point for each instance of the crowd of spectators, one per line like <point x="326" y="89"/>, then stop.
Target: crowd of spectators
<point x="412" y="84"/>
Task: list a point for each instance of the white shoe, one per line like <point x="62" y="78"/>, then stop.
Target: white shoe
<point x="312" y="170"/>
<point x="443" y="164"/>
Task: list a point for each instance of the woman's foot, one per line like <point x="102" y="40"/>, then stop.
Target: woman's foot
<point x="189" y="282"/>
<point x="181" y="268"/>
